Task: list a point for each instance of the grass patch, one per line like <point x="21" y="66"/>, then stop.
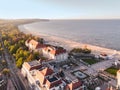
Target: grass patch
<point x="90" y="61"/>
<point x="112" y="70"/>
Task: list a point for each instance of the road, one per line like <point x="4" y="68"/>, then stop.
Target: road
<point x="14" y="77"/>
<point x="95" y="68"/>
<point x="19" y="85"/>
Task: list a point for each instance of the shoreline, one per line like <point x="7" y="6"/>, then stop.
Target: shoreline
<point x="69" y="44"/>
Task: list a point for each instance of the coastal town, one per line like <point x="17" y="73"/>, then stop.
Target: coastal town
<point x="29" y="62"/>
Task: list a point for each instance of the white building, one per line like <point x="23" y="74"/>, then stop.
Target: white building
<point x="34" y="45"/>
<point x="56" y="53"/>
<point x="28" y="66"/>
<point x="41" y="77"/>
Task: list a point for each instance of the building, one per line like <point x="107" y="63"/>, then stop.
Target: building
<point x="103" y="56"/>
<point x="56" y="53"/>
<point x="29" y="66"/>
<point x="75" y="85"/>
<point x="29" y="71"/>
<point x="34" y="45"/>
<point x="118" y="79"/>
<point x="50" y="79"/>
<point x="41" y="77"/>
<point x="48" y="51"/>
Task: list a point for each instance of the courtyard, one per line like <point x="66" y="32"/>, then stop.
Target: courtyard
<point x="79" y="74"/>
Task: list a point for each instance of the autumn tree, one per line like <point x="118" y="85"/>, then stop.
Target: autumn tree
<point x="19" y="62"/>
<point x="6" y="71"/>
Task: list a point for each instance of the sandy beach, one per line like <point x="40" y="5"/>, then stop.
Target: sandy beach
<point x="68" y="44"/>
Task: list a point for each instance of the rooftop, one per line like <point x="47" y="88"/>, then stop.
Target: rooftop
<point x="74" y="84"/>
<point x="52" y="79"/>
<point x="47" y="71"/>
<point x="32" y="65"/>
<point x="54" y="50"/>
<point x="35" y="43"/>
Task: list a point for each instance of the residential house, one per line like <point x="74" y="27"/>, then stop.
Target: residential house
<point x="34" y="45"/>
<point x="28" y="66"/>
<point x="41" y="77"/>
<point x="56" y="53"/>
<point x="49" y="79"/>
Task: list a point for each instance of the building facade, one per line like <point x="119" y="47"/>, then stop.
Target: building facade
<point x="34" y="45"/>
<point x="118" y="79"/>
<point x="44" y="78"/>
<point x="55" y="53"/>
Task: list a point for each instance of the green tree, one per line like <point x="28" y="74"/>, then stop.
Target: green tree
<point x="6" y="43"/>
<point x="86" y="51"/>
<point x="36" y="55"/>
<point x="26" y="53"/>
<point x="19" y="62"/>
<point x="13" y="48"/>
<point x="30" y="58"/>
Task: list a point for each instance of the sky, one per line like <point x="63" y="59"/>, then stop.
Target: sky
<point x="60" y="9"/>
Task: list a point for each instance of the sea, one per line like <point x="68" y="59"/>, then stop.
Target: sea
<point x="104" y="33"/>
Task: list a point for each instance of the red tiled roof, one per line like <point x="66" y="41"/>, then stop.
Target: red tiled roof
<point x="74" y="85"/>
<point x="40" y="46"/>
<point x="54" y="50"/>
<point x="29" y="67"/>
<point x="53" y="84"/>
<point x="35" y="43"/>
<point x="59" y="51"/>
<point x="36" y="67"/>
<point x="47" y="71"/>
<point x="41" y="77"/>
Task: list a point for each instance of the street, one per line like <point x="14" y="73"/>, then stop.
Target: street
<point x="15" y="78"/>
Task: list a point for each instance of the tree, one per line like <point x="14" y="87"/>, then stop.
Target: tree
<point x="41" y="40"/>
<point x="86" y="51"/>
<point x="36" y="55"/>
<point x="6" y="43"/>
<point x="6" y="71"/>
<point x="1" y="51"/>
<point x="26" y="53"/>
<point x="80" y="50"/>
<point x="30" y="58"/>
<point x="4" y="63"/>
<point x="76" y="50"/>
<point x="19" y="62"/>
<point x="13" y="48"/>
<point x="43" y="58"/>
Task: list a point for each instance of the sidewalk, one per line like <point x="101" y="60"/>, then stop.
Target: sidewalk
<point x="10" y="85"/>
